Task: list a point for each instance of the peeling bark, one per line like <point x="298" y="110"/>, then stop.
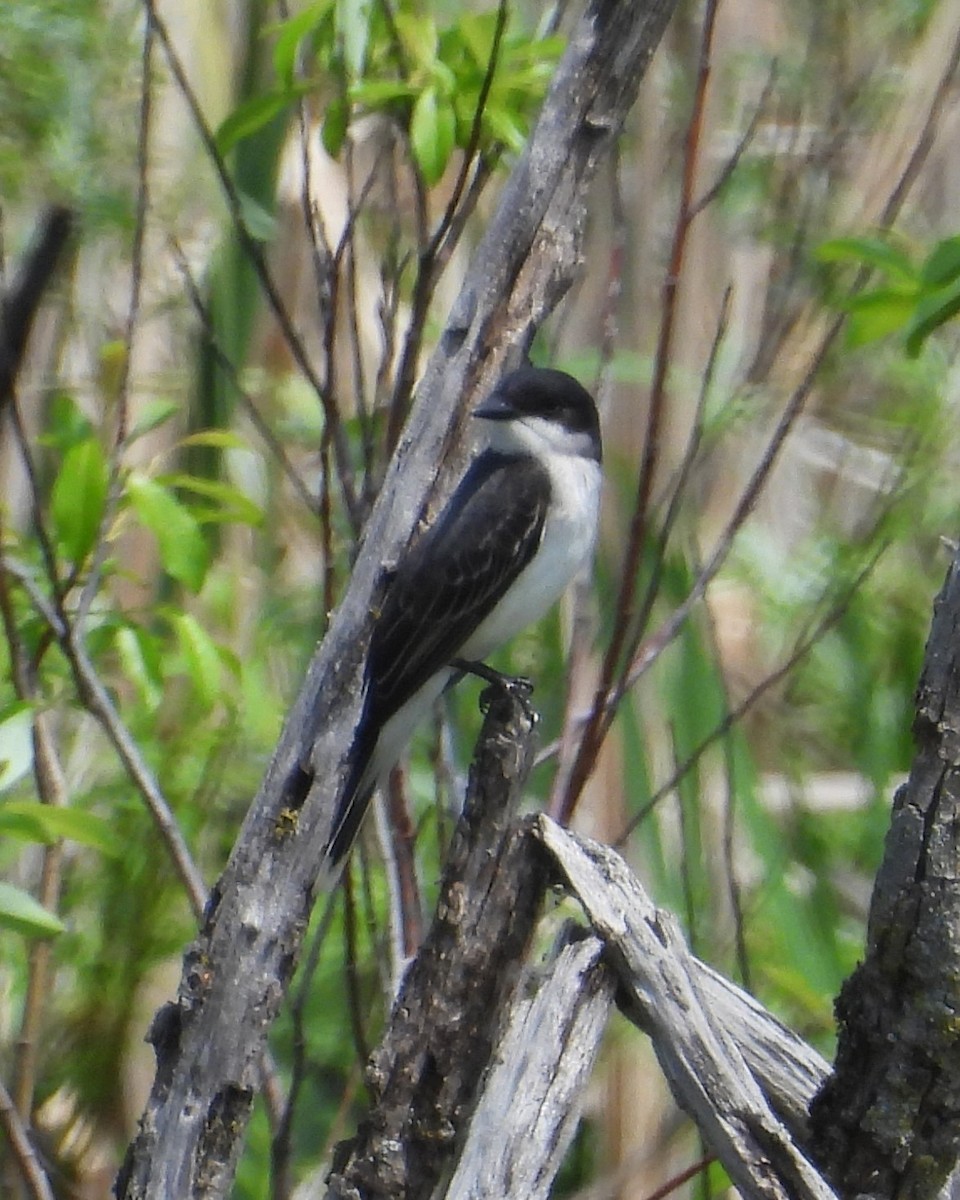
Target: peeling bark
<point x="887" y="1122"/>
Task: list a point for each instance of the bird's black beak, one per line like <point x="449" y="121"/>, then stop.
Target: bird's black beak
<point x="495" y="408"/>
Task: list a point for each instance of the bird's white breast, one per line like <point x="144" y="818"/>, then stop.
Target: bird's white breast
<point x="566" y="548"/>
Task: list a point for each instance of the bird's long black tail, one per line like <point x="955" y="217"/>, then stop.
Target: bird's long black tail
<point x="354" y="800"/>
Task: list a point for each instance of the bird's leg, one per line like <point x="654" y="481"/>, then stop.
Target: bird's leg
<point x="518" y="686"/>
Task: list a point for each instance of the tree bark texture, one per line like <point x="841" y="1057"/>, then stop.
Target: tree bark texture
<point x="427" y="1069"/>
<point x="533" y="1095"/>
<point x="741" y="1075"/>
<point x="887" y="1123"/>
<point x="236" y="973"/>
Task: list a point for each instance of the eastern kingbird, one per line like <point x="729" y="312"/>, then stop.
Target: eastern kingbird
<point x="520" y="525"/>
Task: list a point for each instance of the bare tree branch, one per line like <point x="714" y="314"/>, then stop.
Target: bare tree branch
<point x="427" y="1069"/>
<point x="540" y="1076"/>
<point x="888" y="1121"/>
<point x="743" y="1077"/>
<point x="236" y="973"/>
<point x="30" y="1170"/>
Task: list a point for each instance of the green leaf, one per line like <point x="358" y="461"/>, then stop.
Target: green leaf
<point x="544" y="53"/>
<point x="259" y="222"/>
<point x="233" y="505"/>
<point x="932" y="311"/>
<point x="335" y="122"/>
<point x="183" y="548"/>
<point x="443" y="79"/>
<point x="66" y="424"/>
<point x="376" y="93"/>
<point x="504" y="126"/>
<point x="221" y="439"/>
<point x="139" y="661"/>
<point x="48" y="824"/>
<point x="25" y="826"/>
<point x="432" y="133"/>
<point x="21" y="913"/>
<point x="253" y="114"/>
<point x="352" y="31"/>
<point x="942" y="264"/>
<point x="78" y="498"/>
<point x="291" y="33"/>
<point x="153" y="414"/>
<point x="877" y="314"/>
<point x="16" y="745"/>
<point x="475" y="32"/>
<point x="201" y="656"/>
<point x="418" y="35"/>
<point x="869" y="252"/>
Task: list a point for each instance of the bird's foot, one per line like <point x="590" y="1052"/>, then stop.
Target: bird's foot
<point x="519" y="687"/>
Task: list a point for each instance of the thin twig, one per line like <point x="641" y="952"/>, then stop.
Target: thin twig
<point x="624" y="624"/>
<point x="281" y="1146"/>
<point x="115" y="484"/>
<point x="746" y="138"/>
<point x="650" y="650"/>
<point x="476" y="131"/>
<point x="360" y="1040"/>
<point x="736" y="714"/>
<point x="229" y="368"/>
<point x="319" y="244"/>
<point x="729" y="809"/>
<point x="96" y="699"/>
<point x="402" y="840"/>
<point x="678" y="488"/>
<point x="20" y="303"/>
<point x="579" y="659"/>
<point x="18" y="1138"/>
<point x="682" y="1177"/>
<point x="52" y="790"/>
<point x="257" y="260"/>
<point x="443" y="240"/>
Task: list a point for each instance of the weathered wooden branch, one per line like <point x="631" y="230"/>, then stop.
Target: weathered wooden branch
<point x="885" y="1118"/>
<point x="427" y="1069"/>
<point x="741" y="1075"/>
<point x="533" y="1095"/>
<point x="495" y="1122"/>
<point x="235" y="975"/>
<point x="887" y="1123"/>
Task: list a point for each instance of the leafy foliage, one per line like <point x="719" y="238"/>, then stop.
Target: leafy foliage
<point x="915" y="299"/>
<point x="200" y="578"/>
<point x="61" y="130"/>
<point x="401" y="65"/>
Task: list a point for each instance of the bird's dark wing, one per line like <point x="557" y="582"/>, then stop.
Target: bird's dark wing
<point x="455" y="575"/>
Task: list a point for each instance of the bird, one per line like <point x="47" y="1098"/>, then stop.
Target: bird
<point x="518" y="528"/>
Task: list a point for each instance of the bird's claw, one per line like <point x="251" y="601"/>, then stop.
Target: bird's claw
<point x="518" y="687"/>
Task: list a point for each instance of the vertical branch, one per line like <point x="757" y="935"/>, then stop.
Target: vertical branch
<point x="281" y="1147"/>
<point x="350" y="964"/>
<point x="887" y="1121"/>
<point x="30" y="1170"/>
<point x="51" y="788"/>
<point x="254" y="253"/>
<point x="579" y="658"/>
<point x="625" y="632"/>
<point x="440" y="245"/>
<point x="115" y="486"/>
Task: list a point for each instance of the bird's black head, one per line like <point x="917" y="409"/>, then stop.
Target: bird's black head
<point x="553" y="397"/>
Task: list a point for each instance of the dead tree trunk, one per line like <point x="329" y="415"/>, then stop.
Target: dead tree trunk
<point x="888" y="1121"/>
<point x="209" y="1041"/>
<point x="884" y="1125"/>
